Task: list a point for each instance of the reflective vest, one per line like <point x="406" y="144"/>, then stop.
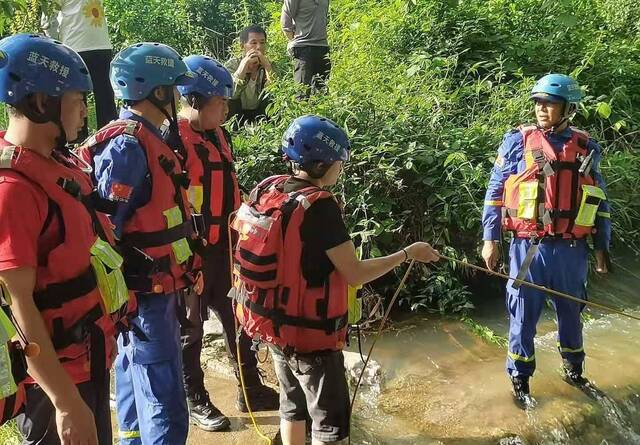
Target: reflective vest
<point x="556" y="195"/>
<point x="155" y="239"/>
<point x="274" y="300"/>
<point x="79" y="290"/>
<point x="211" y="171"/>
<point x="13" y="368"/>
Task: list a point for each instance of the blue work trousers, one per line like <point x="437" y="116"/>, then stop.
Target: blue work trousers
<point x="150" y="397"/>
<point x="560" y="265"/>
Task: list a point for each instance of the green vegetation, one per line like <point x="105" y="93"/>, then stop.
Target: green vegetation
<point x="190" y="26"/>
<point x="9" y="434"/>
<point x="426" y="89"/>
<point x="486" y="333"/>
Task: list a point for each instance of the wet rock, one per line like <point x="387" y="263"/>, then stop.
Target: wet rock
<point x="512" y="440"/>
<point x="373" y="375"/>
<point x="214" y="358"/>
<point x="212" y="331"/>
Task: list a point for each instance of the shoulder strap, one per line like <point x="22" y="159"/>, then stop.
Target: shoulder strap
<point x="582" y="137"/>
<point x="112" y="130"/>
<point x="527" y="129"/>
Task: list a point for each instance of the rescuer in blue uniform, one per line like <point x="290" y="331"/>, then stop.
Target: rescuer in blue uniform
<point x="136" y="168"/>
<point x="546" y="188"/>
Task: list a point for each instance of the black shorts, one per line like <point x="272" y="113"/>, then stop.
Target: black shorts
<point x="38" y="422"/>
<point x="315" y="386"/>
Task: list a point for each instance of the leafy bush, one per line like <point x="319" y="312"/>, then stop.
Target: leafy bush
<point x="427" y="89"/>
<point x="190" y="26"/>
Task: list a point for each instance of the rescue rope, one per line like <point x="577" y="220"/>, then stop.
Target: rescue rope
<point x="237" y="328"/>
<point x="541" y="288"/>
<point x="375" y="340"/>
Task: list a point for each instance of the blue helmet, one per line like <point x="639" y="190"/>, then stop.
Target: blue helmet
<point x="212" y="78"/>
<point x="315" y="139"/>
<point x="139" y="68"/>
<point x="557" y="88"/>
<point x="31" y="63"/>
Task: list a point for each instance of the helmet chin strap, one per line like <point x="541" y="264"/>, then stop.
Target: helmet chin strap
<point x="61" y="141"/>
<point x="173" y="139"/>
<point x="52" y="113"/>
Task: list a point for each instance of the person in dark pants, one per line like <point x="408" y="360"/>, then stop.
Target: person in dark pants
<point x="98" y="65"/>
<point x="83" y="27"/>
<point x="304" y="22"/>
<point x="213" y="193"/>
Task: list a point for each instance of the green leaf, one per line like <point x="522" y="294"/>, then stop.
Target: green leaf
<point x="619" y="124"/>
<point x="604" y="110"/>
<point x="456" y="157"/>
<point x="413" y="70"/>
<point x="567" y="20"/>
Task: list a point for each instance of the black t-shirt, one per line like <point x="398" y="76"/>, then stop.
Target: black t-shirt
<point x="322" y="229"/>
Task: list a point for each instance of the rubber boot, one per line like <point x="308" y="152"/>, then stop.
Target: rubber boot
<point x="204" y="414"/>
<point x="573" y="374"/>
<point x="261" y="397"/>
<point x="521" y="394"/>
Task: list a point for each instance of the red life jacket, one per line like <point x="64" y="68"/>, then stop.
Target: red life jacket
<point x="147" y="231"/>
<point x="274" y="299"/>
<point x="66" y="291"/>
<point x="544" y="199"/>
<point x="211" y="171"/>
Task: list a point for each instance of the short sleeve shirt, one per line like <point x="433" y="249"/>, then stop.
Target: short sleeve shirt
<point x="28" y="232"/>
<point x="323" y="228"/>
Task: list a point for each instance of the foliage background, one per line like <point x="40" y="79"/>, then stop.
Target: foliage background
<point x="426" y="89"/>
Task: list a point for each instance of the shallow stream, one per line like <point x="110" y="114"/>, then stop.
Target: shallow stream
<point x="445" y="385"/>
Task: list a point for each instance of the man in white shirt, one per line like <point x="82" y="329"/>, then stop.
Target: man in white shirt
<point x="81" y="24"/>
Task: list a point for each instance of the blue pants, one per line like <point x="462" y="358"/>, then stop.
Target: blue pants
<point x="151" y="403"/>
<point x="559" y="265"/>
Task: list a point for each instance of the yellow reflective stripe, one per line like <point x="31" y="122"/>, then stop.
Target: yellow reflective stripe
<point x="106" y="254"/>
<point x="569" y="349"/>
<point x="195" y="195"/>
<point x="604" y="214"/>
<point x="493" y="203"/>
<point x="7" y="384"/>
<point x="181" y="248"/>
<point x="520" y="358"/>
<point x="7" y="329"/>
<point x="129" y="434"/>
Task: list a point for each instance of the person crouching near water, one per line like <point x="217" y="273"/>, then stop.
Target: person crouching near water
<point x="293" y="263"/>
<point x="546" y="188"/>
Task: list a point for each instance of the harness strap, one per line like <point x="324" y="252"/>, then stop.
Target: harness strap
<point x="57" y="294"/>
<point x="143" y="240"/>
<point x="279" y="318"/>
<point x="180" y="181"/>
<point x="64" y="337"/>
<point x="532" y="251"/>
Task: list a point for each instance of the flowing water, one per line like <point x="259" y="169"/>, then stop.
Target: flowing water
<point x="445" y="385"/>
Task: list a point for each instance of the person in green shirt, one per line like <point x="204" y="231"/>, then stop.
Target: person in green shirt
<point x="251" y="73"/>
